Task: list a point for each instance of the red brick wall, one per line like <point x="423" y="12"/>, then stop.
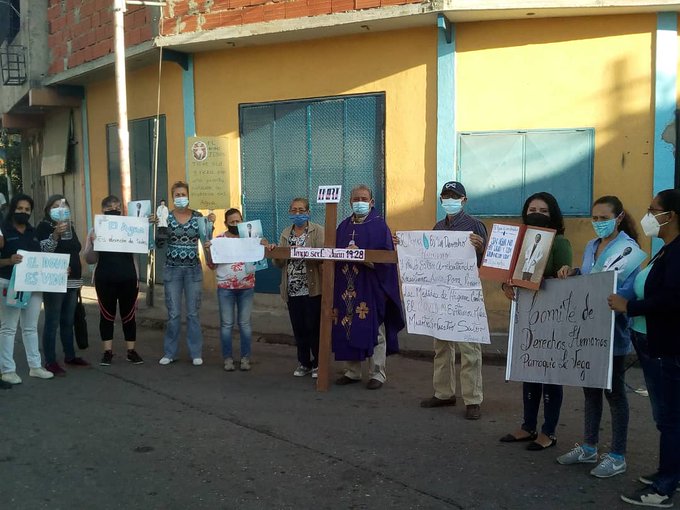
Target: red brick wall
<point x="179" y="17"/>
<point x="82" y="30"/>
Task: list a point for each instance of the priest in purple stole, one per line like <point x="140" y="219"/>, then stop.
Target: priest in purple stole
<point x="367" y="311"/>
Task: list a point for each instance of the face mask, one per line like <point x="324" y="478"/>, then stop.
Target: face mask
<point x="361" y="208"/>
<point x="60" y="213"/>
<point x="537" y="220"/>
<point x="232" y="229"/>
<point x="21" y="218"/>
<point x="112" y="213"/>
<point x="452" y="205"/>
<point x="181" y="202"/>
<point x="650" y="226"/>
<point x="299" y="219"/>
<point x="604" y="228"/>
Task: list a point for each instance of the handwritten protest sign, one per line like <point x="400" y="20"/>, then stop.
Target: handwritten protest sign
<point x="501" y="246"/>
<point x="563" y="334"/>
<point x="441" y="286"/>
<point x="41" y="272"/>
<point x="125" y="234"/>
<point x="208" y="171"/>
<point x="225" y="250"/>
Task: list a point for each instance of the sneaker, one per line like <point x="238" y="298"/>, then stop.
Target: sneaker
<point x="609" y="466"/>
<point x="40" y="373"/>
<point x="107" y="358"/>
<point x="79" y="362"/>
<point x="647" y="496"/>
<point x="5" y="385"/>
<point x="245" y="364"/>
<point x="55" y="369"/>
<point x="578" y="456"/>
<point x="315" y="373"/>
<point x="165" y="360"/>
<point x="11" y="377"/>
<point x="302" y="371"/>
<point x="229" y="365"/>
<point x="134" y="358"/>
<point x="197" y="362"/>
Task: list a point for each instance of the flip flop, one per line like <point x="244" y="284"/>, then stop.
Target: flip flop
<point x="509" y="438"/>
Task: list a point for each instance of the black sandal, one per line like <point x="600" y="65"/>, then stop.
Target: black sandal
<point x="537" y="447"/>
<point x="509" y="438"/>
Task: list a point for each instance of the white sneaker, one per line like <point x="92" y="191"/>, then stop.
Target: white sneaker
<point x="245" y="364"/>
<point x="11" y="377"/>
<point x="229" y="365"/>
<point x="197" y="362"/>
<point x="302" y="371"/>
<point x="315" y="373"/>
<point x="40" y="373"/>
<point x="165" y="360"/>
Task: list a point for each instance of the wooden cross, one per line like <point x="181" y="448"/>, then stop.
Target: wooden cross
<point x="327" y="289"/>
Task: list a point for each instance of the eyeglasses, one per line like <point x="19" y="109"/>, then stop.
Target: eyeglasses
<point x="652" y="210"/>
<point x="297" y="211"/>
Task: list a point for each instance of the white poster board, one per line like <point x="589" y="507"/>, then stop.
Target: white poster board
<point x="563" y="334"/>
<point x="41" y="272"/>
<point x="225" y="250"/>
<point x="123" y="234"/>
<point x="441" y="287"/>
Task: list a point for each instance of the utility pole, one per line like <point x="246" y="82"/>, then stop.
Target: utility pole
<point x="121" y="100"/>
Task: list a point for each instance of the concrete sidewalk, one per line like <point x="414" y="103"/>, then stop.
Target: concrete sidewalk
<point x="271" y="323"/>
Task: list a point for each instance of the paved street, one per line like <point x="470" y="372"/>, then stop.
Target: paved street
<point x="181" y="436"/>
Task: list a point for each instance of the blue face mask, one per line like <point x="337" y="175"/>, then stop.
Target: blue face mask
<point x="181" y="202"/>
<point x="299" y="219"/>
<point x="361" y="208"/>
<point x="604" y="228"/>
<point x="452" y="205"/>
<point x="60" y="214"/>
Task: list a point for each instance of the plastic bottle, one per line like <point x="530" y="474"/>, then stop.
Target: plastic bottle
<point x="66" y="218"/>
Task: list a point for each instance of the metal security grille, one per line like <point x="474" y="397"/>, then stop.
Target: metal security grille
<point x="290" y="148"/>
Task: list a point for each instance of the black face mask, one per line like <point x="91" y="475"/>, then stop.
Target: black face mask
<point x="538" y="220"/>
<point x="21" y="218"/>
<point x="112" y="213"/>
<point x="233" y="229"/>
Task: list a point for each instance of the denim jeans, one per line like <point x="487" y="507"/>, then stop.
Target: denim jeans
<point x="618" y="406"/>
<point x="243" y="300"/>
<point x="59" y="312"/>
<point x="668" y="399"/>
<point x="9" y="320"/>
<point x="187" y="281"/>
<point x="651" y="369"/>
<point x="552" y="403"/>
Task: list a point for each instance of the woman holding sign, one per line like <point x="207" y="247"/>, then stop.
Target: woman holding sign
<point x="19" y="235"/>
<point x="655" y="310"/>
<point x="60" y="307"/>
<point x="614" y="248"/>
<point x="542" y="210"/>
<point x="182" y="276"/>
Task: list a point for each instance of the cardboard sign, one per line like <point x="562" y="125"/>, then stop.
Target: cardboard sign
<point x="328" y="194"/>
<point x="123" y="234"/>
<point x="440" y="285"/>
<point x="565" y="333"/>
<point x="41" y="272"/>
<point x="208" y="171"/>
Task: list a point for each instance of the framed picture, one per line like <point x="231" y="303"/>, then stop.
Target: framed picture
<point x="532" y="257"/>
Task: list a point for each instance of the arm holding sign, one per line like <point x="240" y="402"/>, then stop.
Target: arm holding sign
<point x="90" y="256"/>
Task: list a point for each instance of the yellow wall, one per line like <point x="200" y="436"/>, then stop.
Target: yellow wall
<point x="142" y="88"/>
<point x="401" y="63"/>
<point x="564" y="73"/>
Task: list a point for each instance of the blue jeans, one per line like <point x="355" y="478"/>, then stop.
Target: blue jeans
<point x="187" y="281"/>
<point x="59" y="312"/>
<point x="243" y="299"/>
<point x="552" y="403"/>
<point x="651" y="369"/>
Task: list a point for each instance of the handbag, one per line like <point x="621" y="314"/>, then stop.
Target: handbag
<point x="80" y="324"/>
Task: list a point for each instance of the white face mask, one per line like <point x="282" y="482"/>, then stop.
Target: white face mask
<point x="650" y="225"/>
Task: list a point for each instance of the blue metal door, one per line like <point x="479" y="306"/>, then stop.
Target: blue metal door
<point x="290" y="148"/>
